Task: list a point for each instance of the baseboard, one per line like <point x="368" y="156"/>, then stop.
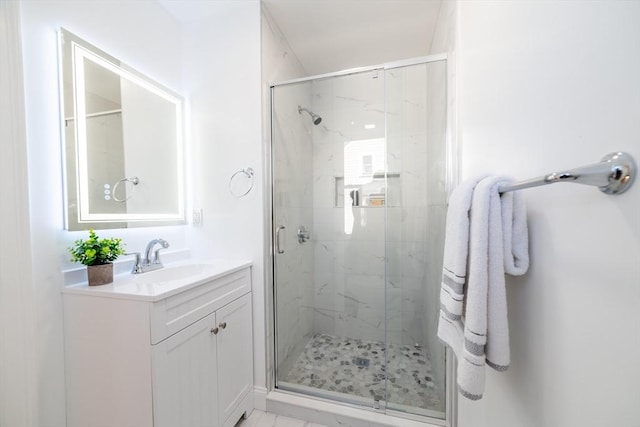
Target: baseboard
<point x="260" y="398"/>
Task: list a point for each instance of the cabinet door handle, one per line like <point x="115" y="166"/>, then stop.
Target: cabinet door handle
<point x="214" y="331"/>
<point x="223" y="325"/>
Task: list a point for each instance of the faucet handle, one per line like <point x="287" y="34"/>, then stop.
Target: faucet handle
<point x="137" y="265"/>
<point x="156" y="256"/>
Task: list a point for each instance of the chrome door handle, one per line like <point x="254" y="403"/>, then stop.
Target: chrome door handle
<point x="278" y="247"/>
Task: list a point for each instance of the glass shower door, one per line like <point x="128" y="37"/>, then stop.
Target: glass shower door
<point x="329" y="164"/>
<point x="417" y="163"/>
<point x="292" y="201"/>
<point x="359" y="193"/>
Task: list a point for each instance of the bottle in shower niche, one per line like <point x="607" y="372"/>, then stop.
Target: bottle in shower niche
<point x="355" y="197"/>
<point x="376" y="199"/>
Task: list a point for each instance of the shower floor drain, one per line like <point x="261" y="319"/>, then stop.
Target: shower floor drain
<point x="361" y="361"/>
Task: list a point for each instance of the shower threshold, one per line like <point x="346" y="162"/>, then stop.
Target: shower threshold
<point x="329" y="411"/>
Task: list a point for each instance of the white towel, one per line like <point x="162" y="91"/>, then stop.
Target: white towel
<point x="488" y="233"/>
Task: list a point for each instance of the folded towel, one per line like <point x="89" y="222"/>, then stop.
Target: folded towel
<point x="454" y="271"/>
<point x="486" y="236"/>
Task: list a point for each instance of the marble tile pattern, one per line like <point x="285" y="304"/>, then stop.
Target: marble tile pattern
<point x="336" y="364"/>
<point x="349" y="242"/>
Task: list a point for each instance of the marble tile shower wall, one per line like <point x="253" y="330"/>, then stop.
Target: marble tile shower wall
<point x="349" y="242"/>
<point x="293" y="207"/>
<point x="349" y="271"/>
<point x="412" y="247"/>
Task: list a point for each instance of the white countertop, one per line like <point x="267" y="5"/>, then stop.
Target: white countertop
<point x="159" y="284"/>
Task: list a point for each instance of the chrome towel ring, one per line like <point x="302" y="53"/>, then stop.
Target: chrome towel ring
<point x="241" y="182"/>
<point x="134" y="182"/>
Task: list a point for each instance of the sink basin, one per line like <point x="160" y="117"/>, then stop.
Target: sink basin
<point x="172" y="273"/>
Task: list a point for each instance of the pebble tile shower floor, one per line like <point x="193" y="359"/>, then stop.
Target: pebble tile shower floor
<point x="357" y="367"/>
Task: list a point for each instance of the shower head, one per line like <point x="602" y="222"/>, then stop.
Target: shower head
<point x="316" y="118"/>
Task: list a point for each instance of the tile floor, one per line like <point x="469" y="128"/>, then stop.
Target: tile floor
<point x="358" y="368"/>
<point x="266" y="419"/>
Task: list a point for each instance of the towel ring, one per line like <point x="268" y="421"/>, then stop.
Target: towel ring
<point x="133" y="180"/>
<point x="239" y="181"/>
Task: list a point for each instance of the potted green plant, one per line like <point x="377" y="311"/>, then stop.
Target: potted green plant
<point x="97" y="254"/>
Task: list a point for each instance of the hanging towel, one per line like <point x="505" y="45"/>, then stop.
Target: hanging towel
<point x="486" y="236"/>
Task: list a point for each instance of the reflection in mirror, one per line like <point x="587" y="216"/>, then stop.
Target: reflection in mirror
<point x="123" y="148"/>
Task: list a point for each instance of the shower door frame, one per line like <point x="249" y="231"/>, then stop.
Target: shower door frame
<point x="452" y="178"/>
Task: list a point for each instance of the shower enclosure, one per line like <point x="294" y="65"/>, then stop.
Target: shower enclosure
<point x="359" y="166"/>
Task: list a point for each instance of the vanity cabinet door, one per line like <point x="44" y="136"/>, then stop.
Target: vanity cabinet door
<point x="185" y="377"/>
<point x="235" y="355"/>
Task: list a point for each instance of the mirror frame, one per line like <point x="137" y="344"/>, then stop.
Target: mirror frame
<point x="80" y="50"/>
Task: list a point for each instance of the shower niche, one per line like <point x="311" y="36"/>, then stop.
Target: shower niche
<point x="370" y="192"/>
<point x="361" y="159"/>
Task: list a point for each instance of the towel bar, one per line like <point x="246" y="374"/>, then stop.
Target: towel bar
<point x="613" y="175"/>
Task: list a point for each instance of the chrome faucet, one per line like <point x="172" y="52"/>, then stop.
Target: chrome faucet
<point x="149" y="263"/>
<point x="156" y="255"/>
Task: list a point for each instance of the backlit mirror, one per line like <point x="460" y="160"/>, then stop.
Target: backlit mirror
<point x="123" y="147"/>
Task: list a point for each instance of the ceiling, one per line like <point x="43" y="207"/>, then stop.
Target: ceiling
<point x="334" y="35"/>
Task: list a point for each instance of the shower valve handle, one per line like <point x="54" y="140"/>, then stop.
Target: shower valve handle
<point x="303" y="234"/>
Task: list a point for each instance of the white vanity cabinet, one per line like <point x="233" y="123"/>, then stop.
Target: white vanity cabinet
<point x="187" y="367"/>
<point x="184" y="360"/>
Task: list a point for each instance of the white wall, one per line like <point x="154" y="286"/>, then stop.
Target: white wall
<point x="18" y="370"/>
<point x="545" y="86"/>
<point x="143" y="35"/>
<point x="222" y="83"/>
